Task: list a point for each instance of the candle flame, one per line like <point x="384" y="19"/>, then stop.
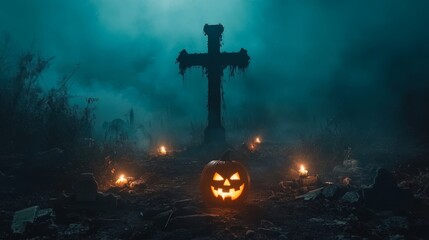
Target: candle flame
<point x="257" y="140"/>
<point x="302" y="171"/>
<point x="162" y="150"/>
<point x="121" y="181"/>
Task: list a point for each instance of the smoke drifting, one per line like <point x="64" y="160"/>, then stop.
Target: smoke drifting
<point x="362" y="62"/>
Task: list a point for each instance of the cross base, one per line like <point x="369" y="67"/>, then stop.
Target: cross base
<point x="214" y="134"/>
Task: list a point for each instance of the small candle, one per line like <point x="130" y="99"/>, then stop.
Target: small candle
<point x="257" y="140"/>
<point x="122" y="181"/>
<point x="302" y="171"/>
<point x="251" y="147"/>
<point x="162" y="150"/>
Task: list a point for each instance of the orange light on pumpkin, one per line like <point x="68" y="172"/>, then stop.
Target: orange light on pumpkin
<point x="121" y="181"/>
<point x="162" y="150"/>
<point x="302" y="171"/>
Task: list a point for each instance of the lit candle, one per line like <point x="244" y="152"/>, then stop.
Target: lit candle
<point x="122" y="181"/>
<point x="162" y="150"/>
<point x="257" y="140"/>
<point x="302" y="171"/>
<point x="251" y="147"/>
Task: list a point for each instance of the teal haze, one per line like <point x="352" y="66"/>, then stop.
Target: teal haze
<point x="364" y="63"/>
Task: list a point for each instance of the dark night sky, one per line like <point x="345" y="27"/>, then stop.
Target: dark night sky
<point x="366" y="62"/>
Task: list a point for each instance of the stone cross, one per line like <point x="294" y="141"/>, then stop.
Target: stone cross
<point x="214" y="62"/>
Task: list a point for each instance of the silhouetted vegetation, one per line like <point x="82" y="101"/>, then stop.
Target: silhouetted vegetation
<point x="36" y="119"/>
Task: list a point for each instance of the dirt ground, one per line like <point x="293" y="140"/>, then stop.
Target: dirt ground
<point x="166" y="202"/>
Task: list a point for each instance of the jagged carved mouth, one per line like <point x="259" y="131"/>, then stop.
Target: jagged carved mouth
<point x="232" y="193"/>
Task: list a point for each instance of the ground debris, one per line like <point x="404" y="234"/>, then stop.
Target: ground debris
<point x="32" y="215"/>
<point x="192" y="221"/>
<point x="333" y="191"/>
<point x="311" y="195"/>
<point x="351" y="197"/>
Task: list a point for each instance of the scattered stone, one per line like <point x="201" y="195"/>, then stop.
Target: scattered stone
<point x="22" y="217"/>
<point x="311" y="195"/>
<point x="43" y="214"/>
<point x="350" y="197"/>
<point x="86" y="188"/>
<point x="107" y="201"/>
<point x="350" y="166"/>
<point x="384" y="194"/>
<point x="138" y="184"/>
<point x="333" y="191"/>
<point x="31" y="215"/>
<point x="250" y="234"/>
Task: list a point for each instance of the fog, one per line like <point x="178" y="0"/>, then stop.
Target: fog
<point x="363" y="63"/>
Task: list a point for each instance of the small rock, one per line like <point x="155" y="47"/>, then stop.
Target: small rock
<point x="311" y="195"/>
<point x="138" y="184"/>
<point x="43" y="214"/>
<point x="333" y="191"/>
<point x="108" y="201"/>
<point x="350" y="197"/>
<point x="384" y="180"/>
<point x="86" y="188"/>
<point x="384" y="194"/>
<point x="250" y="234"/>
<point x="22" y="217"/>
<point x="40" y="220"/>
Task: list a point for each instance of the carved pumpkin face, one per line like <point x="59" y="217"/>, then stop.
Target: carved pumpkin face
<point x="224" y="182"/>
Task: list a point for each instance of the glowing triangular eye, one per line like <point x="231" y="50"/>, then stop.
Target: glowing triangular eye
<point x="217" y="177"/>
<point x="236" y="176"/>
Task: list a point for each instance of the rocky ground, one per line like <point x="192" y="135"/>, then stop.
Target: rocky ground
<point x="162" y="201"/>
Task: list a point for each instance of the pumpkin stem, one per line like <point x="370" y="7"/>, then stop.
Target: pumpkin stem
<point x="227" y="156"/>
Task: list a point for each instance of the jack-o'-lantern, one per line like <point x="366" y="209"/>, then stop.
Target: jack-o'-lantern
<point x="224" y="181"/>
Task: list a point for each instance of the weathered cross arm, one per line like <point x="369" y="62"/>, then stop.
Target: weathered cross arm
<point x="187" y="60"/>
<point x="236" y="59"/>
